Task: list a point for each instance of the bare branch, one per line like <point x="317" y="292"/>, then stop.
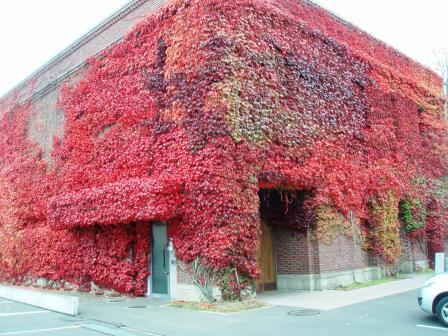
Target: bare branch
<point x="441" y="63"/>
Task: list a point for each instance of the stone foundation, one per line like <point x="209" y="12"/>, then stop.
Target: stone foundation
<point x="328" y="280"/>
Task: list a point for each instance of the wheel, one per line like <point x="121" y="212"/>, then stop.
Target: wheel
<point x="442" y="311"/>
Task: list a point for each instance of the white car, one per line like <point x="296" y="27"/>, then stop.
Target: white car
<point x="433" y="297"/>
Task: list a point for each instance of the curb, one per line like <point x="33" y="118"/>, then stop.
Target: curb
<point x="57" y="303"/>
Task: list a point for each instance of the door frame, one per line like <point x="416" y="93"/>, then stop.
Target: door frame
<point x="168" y="276"/>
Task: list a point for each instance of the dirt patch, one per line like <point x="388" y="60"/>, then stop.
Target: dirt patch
<point x="225" y="307"/>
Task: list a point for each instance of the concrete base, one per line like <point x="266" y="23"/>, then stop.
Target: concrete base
<point x="413" y="266"/>
<point x="328" y="280"/>
<point x="58" y="303"/>
<point x="189" y="292"/>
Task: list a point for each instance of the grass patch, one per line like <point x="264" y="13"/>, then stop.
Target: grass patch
<point x="224" y="307"/>
<point x="358" y="285"/>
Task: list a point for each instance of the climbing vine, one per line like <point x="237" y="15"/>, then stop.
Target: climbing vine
<point x="329" y="224"/>
<point x="384" y="230"/>
<point x="413" y="214"/>
<point x="198" y="108"/>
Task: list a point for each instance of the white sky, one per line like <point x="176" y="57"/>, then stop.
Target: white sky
<point x="33" y="31"/>
<point x="415" y="27"/>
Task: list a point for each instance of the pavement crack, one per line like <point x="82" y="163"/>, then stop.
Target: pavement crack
<point x="111" y="323"/>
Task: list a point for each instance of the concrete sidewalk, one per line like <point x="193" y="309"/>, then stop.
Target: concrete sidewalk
<point x="125" y="316"/>
<point x="331" y="299"/>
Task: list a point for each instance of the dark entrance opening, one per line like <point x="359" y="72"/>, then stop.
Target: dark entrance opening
<point x="279" y="208"/>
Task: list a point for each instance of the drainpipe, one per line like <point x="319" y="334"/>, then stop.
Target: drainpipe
<point x="351" y="218"/>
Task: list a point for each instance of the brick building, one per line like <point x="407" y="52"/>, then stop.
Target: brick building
<point x="95" y="219"/>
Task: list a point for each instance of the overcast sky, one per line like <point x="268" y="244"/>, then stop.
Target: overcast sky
<point x="33" y="31"/>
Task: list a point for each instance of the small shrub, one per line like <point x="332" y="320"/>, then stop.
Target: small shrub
<point x="235" y="286"/>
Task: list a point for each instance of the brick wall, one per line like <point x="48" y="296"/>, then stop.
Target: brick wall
<point x="46" y="122"/>
<point x="407" y="253"/>
<point x="297" y="254"/>
<point x="292" y="252"/>
<point x="182" y="275"/>
<point x="419" y="250"/>
<point x="374" y="260"/>
<point x="342" y="255"/>
<point x="412" y="250"/>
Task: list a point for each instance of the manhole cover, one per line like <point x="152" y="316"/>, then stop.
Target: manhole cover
<point x="136" y="307"/>
<point x="304" y="312"/>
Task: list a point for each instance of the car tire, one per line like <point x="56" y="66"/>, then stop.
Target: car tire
<point x="442" y="311"/>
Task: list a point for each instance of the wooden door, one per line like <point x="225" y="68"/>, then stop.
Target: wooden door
<point x="266" y="259"/>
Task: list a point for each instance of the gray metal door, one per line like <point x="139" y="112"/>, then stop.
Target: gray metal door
<point x="159" y="261"/>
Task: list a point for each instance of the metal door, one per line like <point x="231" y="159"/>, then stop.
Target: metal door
<point x="159" y="261"/>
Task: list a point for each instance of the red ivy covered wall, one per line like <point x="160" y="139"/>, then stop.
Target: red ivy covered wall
<point x="199" y="107"/>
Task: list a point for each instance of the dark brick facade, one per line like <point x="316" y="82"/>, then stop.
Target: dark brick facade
<point x="295" y="254"/>
<point x="341" y="255"/>
<point x="412" y="250"/>
<point x="298" y="254"/>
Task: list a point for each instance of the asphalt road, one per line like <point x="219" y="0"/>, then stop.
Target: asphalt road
<point x="393" y="315"/>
